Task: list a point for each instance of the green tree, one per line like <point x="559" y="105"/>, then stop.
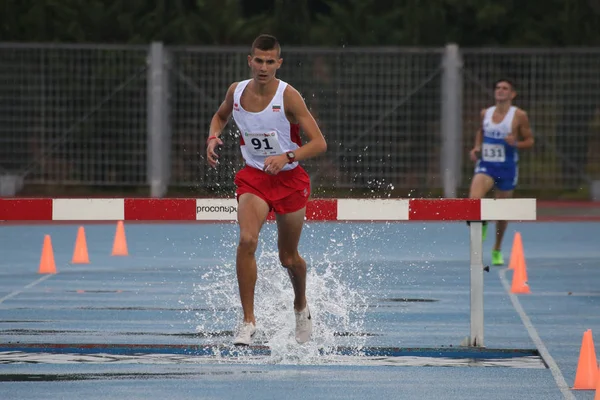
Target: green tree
<point x="466" y="22"/>
<point x="348" y="22"/>
<point x="291" y="22"/>
<point x="204" y="22"/>
<point x="357" y="22"/>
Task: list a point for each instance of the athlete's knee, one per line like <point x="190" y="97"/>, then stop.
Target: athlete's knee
<point x="480" y="186"/>
<point x="248" y="243"/>
<point x="476" y="193"/>
<point x="290" y="259"/>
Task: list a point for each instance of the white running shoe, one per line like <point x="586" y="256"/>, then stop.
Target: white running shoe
<point x="244" y="334"/>
<point x="303" y="325"/>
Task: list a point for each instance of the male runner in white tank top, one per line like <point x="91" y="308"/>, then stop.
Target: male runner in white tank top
<point x="504" y="130"/>
<point x="269" y="114"/>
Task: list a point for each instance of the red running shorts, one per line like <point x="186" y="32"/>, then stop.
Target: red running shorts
<point x="286" y="192"/>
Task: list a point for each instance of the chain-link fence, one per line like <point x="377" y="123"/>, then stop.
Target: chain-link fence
<point x="73" y="115"/>
<point x="378" y="110"/>
<point x="80" y="115"/>
<point x="560" y="91"/>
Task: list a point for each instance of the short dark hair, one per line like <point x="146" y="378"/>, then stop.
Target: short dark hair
<point x="266" y="42"/>
<point x="510" y="82"/>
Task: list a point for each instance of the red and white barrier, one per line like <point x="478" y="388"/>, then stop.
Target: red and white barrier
<point x="181" y="209"/>
<point x="185" y="209"/>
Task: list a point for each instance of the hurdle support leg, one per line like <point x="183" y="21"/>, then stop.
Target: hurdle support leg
<point x="476" y="246"/>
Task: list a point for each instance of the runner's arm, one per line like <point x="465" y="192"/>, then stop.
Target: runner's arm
<point x="479" y="133"/>
<point x="218" y="122"/>
<point x="221" y="117"/>
<point x="295" y="107"/>
<point x="525" y="133"/>
<point x="476" y="150"/>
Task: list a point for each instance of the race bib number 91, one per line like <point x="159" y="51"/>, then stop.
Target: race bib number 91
<point x="262" y="144"/>
<point x="493" y="153"/>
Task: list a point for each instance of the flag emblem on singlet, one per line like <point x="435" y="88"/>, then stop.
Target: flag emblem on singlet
<point x="276" y="107"/>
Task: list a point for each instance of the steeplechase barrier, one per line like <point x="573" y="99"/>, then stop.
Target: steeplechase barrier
<point x="223" y="210"/>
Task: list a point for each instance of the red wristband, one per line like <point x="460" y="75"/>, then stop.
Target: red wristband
<point x="210" y="138"/>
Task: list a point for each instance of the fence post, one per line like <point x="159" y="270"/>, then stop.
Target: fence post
<point x="159" y="126"/>
<point x="451" y="126"/>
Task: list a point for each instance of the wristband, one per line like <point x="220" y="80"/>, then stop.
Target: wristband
<point x="211" y="138"/>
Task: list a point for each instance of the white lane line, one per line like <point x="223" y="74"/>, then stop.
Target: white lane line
<point x="32" y="284"/>
<point x="537" y="341"/>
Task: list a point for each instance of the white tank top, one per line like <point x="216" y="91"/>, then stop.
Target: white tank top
<point x="494" y="148"/>
<point x="267" y="132"/>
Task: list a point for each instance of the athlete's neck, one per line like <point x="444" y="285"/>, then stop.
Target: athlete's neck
<point x="263" y="89"/>
<point x="502" y="106"/>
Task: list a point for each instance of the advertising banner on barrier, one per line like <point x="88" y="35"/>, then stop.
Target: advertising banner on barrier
<point x="216" y="210"/>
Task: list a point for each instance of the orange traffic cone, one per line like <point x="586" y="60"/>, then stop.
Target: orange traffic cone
<point x="587" y="367"/>
<point x="120" y="242"/>
<point x="80" y="253"/>
<point x="517" y="251"/>
<point x="519" y="281"/>
<point x="47" y="265"/>
<point x="597" y="394"/>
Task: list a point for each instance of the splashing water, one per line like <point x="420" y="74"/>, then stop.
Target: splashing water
<point x="337" y="307"/>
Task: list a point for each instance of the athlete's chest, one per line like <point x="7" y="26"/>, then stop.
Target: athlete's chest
<point x="267" y="114"/>
<point x="499" y="126"/>
<point x="256" y="103"/>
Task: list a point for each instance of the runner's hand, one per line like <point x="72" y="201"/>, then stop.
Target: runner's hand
<point x="274" y="164"/>
<point x="474" y="153"/>
<point x="211" y="155"/>
<point x="511" y="139"/>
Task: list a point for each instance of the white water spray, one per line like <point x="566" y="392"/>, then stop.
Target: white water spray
<point x="338" y="305"/>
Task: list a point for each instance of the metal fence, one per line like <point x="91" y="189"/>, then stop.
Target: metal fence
<point x="560" y="90"/>
<point x="73" y="115"/>
<point x="394" y="118"/>
<point x="379" y="111"/>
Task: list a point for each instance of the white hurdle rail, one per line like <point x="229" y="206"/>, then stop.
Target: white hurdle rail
<point x="473" y="211"/>
<point x="476" y="246"/>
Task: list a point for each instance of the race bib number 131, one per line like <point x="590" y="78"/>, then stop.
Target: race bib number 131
<point x="262" y="144"/>
<point x="493" y="153"/>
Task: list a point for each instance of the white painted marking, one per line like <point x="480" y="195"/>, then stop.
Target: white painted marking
<point x="537" y="341"/>
<point x="32" y="284"/>
<point x="88" y="209"/>
<point x="9" y="357"/>
<point x="372" y="209"/>
<point x="508" y="209"/>
<point x="216" y="209"/>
